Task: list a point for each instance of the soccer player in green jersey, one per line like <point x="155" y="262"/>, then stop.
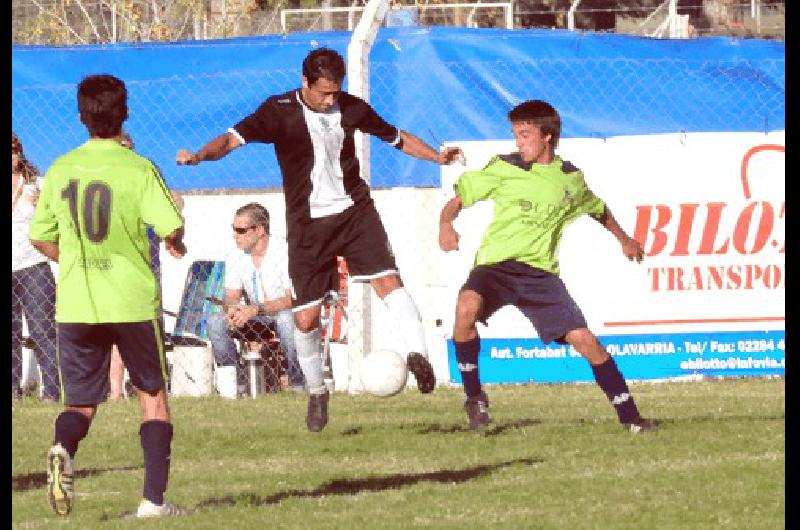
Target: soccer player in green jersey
<point x="536" y="195"/>
<point x="92" y="218"/>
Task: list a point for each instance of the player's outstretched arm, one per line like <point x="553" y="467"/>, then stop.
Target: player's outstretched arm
<point x="414" y="146"/>
<point x="448" y="237"/>
<point x="213" y="150"/>
<point x="630" y="247"/>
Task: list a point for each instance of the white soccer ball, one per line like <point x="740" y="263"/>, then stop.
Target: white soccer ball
<point x="383" y="373"/>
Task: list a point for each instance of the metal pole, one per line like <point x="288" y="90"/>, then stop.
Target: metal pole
<point x="571" y="14"/>
<point x="358" y="84"/>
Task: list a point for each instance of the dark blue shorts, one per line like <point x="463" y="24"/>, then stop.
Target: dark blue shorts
<point x="84" y="354"/>
<point x="540" y="295"/>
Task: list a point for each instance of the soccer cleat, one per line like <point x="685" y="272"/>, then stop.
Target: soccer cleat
<point x="60" y="491"/>
<point x="423" y="372"/>
<point x="641" y="425"/>
<point x="478" y="411"/>
<point x="149" y="509"/>
<point x="317" y="416"/>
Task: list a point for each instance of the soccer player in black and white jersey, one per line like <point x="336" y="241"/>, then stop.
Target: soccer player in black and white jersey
<point x="329" y="211"/>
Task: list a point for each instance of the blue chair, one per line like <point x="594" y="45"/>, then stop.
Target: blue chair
<point x="205" y="282"/>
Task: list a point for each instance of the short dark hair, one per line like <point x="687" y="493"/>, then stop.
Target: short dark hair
<point x="258" y="214"/>
<point x="541" y="114"/>
<point x="103" y="104"/>
<point x="323" y="62"/>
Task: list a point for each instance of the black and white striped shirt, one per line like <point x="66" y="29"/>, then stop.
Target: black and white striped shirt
<point x="316" y="151"/>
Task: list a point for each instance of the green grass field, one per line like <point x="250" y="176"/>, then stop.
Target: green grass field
<point x="554" y="457"/>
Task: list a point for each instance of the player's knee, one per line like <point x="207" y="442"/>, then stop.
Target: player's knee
<point x="467" y="308"/>
<point x="466" y="315"/>
<point x="586" y="343"/>
<point x="386" y="284"/>
<point x="306" y="322"/>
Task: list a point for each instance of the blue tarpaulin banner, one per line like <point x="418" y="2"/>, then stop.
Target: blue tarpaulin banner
<point x="443" y="84"/>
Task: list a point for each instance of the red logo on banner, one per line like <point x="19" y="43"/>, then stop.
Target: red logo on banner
<point x="746" y="163"/>
<point x="662" y="227"/>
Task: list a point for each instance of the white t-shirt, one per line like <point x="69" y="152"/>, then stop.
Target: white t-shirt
<point x="269" y="281"/>
<point x="23" y="254"/>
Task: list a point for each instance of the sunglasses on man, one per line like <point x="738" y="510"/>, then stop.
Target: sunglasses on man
<point x="240" y="230"/>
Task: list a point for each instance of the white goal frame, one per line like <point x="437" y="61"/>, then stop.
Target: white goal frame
<point x="352" y="11"/>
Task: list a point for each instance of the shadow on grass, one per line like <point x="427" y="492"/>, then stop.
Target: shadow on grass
<point x="39" y="479"/>
<point x="710" y="418"/>
<point x="372" y="484"/>
<point x="352" y="431"/>
<point x="493" y="430"/>
<point x="352" y="487"/>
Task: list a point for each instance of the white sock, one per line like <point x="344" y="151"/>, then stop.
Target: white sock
<point x="307" y="346"/>
<point x="406" y="316"/>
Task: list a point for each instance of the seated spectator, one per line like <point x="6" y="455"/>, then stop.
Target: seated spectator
<point x="116" y="367"/>
<point x="33" y="287"/>
<point x="260" y="271"/>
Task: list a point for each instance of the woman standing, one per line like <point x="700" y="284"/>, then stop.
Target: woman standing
<point x="33" y="288"/>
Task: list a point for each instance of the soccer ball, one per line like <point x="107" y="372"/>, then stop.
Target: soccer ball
<point x="383" y="373"/>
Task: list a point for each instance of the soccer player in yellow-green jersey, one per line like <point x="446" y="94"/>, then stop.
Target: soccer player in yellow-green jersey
<point x="96" y="202"/>
<point x="536" y="194"/>
<point x="91" y="218"/>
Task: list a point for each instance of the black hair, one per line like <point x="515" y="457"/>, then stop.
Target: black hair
<point x="323" y="62"/>
<point x="541" y="114"/>
<point x="103" y="105"/>
<point x="258" y="214"/>
<point x="29" y="171"/>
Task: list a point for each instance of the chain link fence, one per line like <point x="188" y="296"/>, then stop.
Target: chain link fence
<point x="407" y="194"/>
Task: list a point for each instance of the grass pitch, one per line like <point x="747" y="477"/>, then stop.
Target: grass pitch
<point x="553" y="457"/>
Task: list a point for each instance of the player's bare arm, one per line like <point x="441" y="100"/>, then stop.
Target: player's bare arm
<point x="448" y="237"/>
<point x="414" y="146"/>
<point x="630" y="247"/>
<point x="173" y="243"/>
<point x="48" y="248"/>
<point x="213" y="150"/>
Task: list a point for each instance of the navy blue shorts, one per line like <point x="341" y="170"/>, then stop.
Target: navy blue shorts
<point x="84" y="354"/>
<point x="540" y="295"/>
<point x="356" y="234"/>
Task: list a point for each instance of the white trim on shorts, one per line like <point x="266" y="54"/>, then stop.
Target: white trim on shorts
<point x="368" y="277"/>
<point x="306" y="306"/>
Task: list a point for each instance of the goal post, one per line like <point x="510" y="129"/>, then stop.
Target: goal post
<point x="457" y="14"/>
<point x="359" y="335"/>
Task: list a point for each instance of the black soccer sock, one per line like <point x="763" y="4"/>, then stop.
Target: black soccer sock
<point x="467" y="357"/>
<point x="612" y="383"/>
<point x="71" y="427"/>
<point x="156" y="438"/>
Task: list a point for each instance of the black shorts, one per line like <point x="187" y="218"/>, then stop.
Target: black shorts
<point x="356" y="234"/>
<point x="540" y="295"/>
<point x="84" y="354"/>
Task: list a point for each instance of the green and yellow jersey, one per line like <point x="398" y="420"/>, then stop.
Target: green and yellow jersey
<point x="533" y="204"/>
<point x="96" y="204"/>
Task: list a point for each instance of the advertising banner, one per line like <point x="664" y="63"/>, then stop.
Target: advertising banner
<point x="708" y="298"/>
